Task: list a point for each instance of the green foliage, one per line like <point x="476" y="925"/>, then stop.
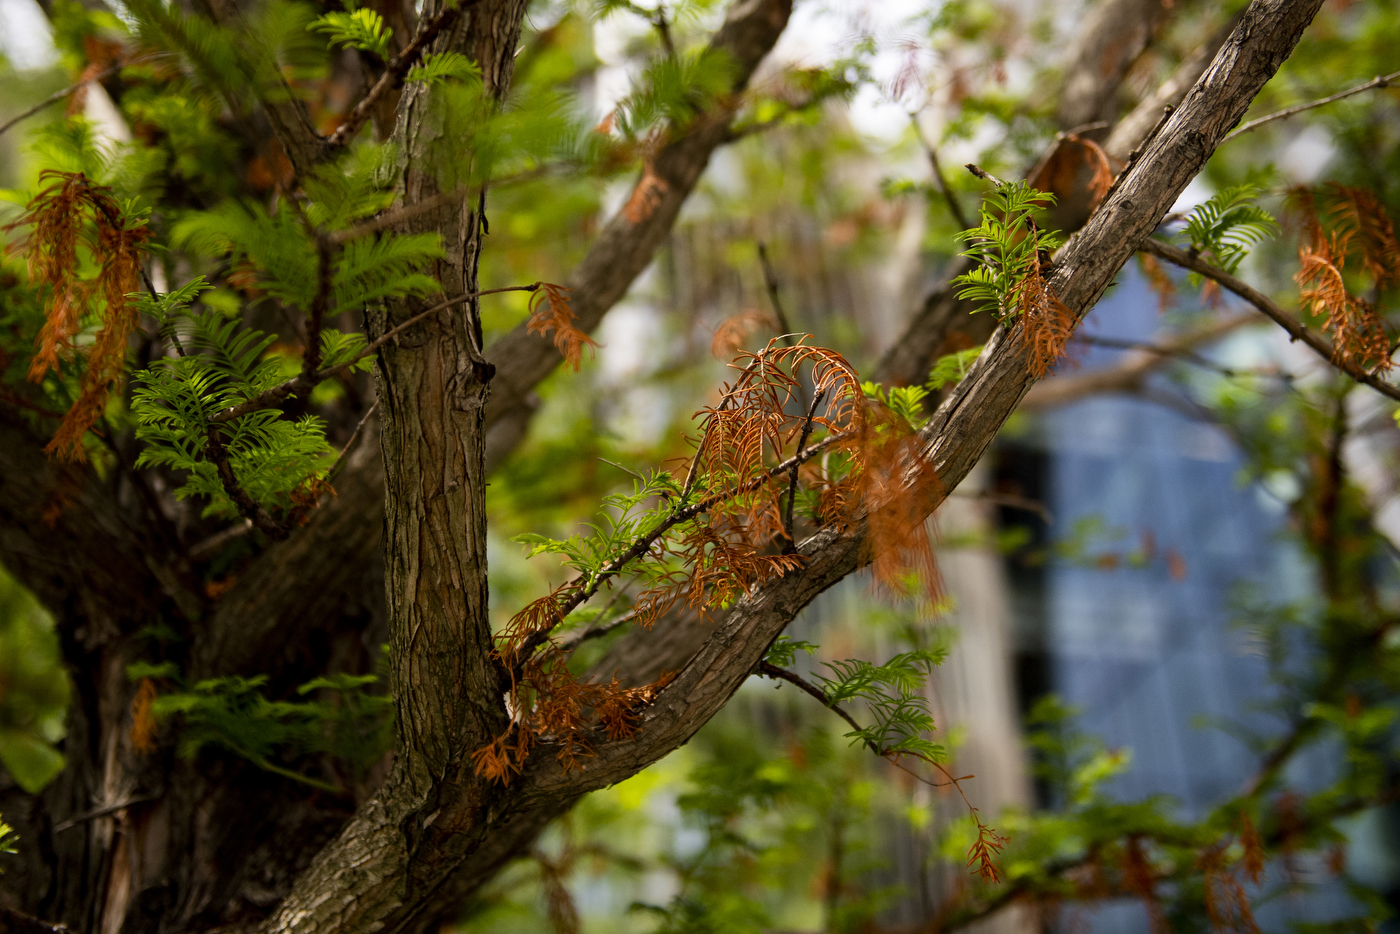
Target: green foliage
<point x="440" y="66"/>
<point x="906" y="402"/>
<point x="8" y="839"/>
<point x="949" y="369"/>
<point x="361" y="29"/>
<point x="283" y="251"/>
<point x="625" y="518"/>
<point x="1227" y="225"/>
<point x="273" y="458"/>
<point x="784" y="651"/>
<point x="673" y="91"/>
<point x="34" y="690"/>
<point x="347" y="722"/>
<point x="893" y="693"/>
<point x="1007" y="246"/>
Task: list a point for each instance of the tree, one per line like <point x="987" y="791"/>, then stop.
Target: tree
<point x="495" y="736"/>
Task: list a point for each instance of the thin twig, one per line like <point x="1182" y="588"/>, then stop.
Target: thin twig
<point x="954" y="206"/>
<point x="792" y="481"/>
<point x="57" y="96"/>
<point x="311" y="358"/>
<point x="247" y="506"/>
<point x="770" y="281"/>
<point x="1377" y="82"/>
<point x="1296" y="329"/>
<point x="300" y="384"/>
<point x="210" y="545"/>
<point x="101" y="812"/>
<point x="584" y="592"/>
<point x="339" y="464"/>
<point x="395" y="71"/>
<point x="982" y="173"/>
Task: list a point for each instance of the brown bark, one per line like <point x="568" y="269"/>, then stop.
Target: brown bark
<point x="435" y="832"/>
<point x="429" y="833"/>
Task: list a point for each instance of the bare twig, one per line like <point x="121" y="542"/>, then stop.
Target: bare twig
<point x="770" y="282"/>
<point x="339" y="464"/>
<point x="57" y="96"/>
<point x="982" y="173"/>
<point x="101" y="812"/>
<point x="1296" y="329"/>
<point x="792" y="481"/>
<point x="1011" y="501"/>
<point x="247" y="506"/>
<point x="954" y="206"/>
<point x="311" y="358"/>
<point x="396" y="70"/>
<point x="1377" y="82"/>
<point x="209" y="546"/>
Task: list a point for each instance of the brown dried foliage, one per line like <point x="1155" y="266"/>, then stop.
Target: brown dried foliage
<point x="550" y="311"/>
<point x="733" y="331"/>
<point x="1339" y="224"/>
<point x="143" y="721"/>
<point x="1227" y="906"/>
<point x="71" y="212"/>
<point x="1253" y="848"/>
<point x="1100" y="168"/>
<point x="984" y="851"/>
<point x="725" y="533"/>
<point x="1157" y="280"/>
<point x="1358" y="333"/>
<point x="1138" y="879"/>
<point x="1047" y="321"/>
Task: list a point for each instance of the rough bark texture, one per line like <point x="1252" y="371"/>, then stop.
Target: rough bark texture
<point x="472" y="823"/>
<point x="149" y="843"/>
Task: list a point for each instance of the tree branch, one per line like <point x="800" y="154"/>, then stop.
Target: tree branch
<point x="629" y="241"/>
<point x="1296" y="329"/>
<point x="1377" y="82"/>
<point x="57" y="96"/>
<point x="1127" y="376"/>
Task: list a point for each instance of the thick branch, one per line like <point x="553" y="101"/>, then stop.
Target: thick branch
<point x="631" y="238"/>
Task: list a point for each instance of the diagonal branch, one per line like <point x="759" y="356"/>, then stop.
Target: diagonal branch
<point x="629" y="241"/>
<point x="1295" y="328"/>
<point x="1377" y="82"/>
<point x="57" y="96"/>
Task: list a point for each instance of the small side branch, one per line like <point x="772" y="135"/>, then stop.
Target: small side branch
<point x="311" y="358"/>
<point x="954" y="206"/>
<point x="1377" y="82"/>
<point x="396" y="71"/>
<point x="643" y="543"/>
<point x="1295" y="328"/>
<point x="792" y="477"/>
<point x="770" y="282"/>
<point x="57" y="96"/>
<point x="247" y="506"/>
